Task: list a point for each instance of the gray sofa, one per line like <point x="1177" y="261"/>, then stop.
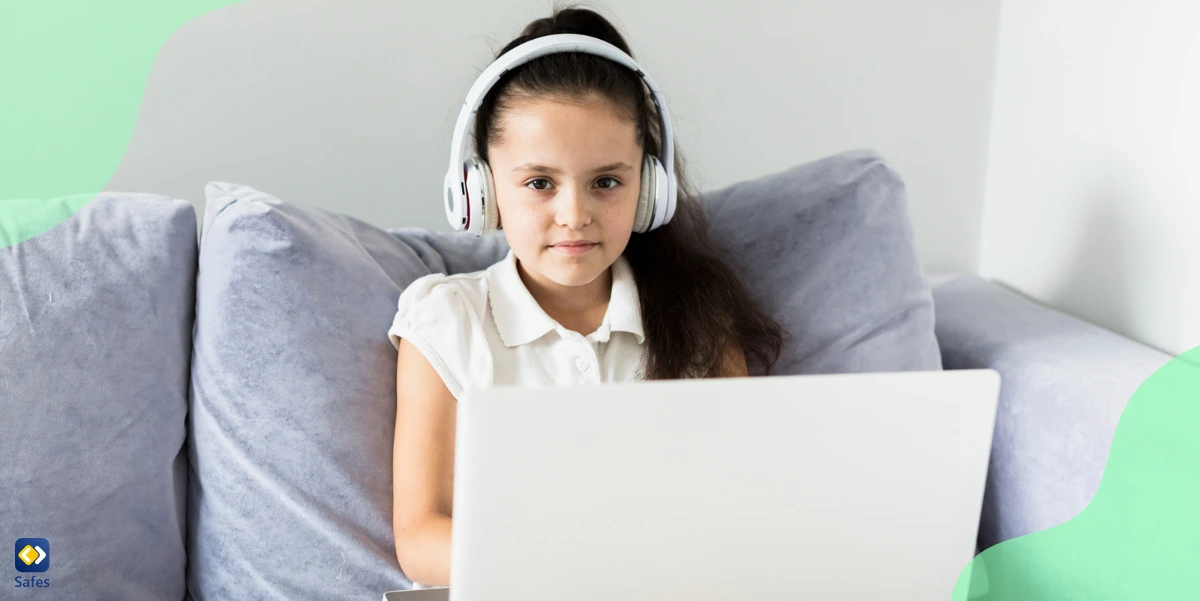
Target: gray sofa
<point x="210" y="416"/>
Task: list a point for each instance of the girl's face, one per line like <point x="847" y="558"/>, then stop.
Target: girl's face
<point x="566" y="172"/>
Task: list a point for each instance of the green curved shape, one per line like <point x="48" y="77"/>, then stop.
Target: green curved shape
<point x="1139" y="538"/>
<point x="74" y="73"/>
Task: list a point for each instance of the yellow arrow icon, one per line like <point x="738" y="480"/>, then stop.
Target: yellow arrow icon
<point x="31" y="555"/>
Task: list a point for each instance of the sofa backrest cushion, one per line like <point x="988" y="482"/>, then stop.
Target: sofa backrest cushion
<point x="95" y="340"/>
<point x="828" y="248"/>
<point x="294" y="400"/>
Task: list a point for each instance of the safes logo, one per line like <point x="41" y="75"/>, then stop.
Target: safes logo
<point x="32" y="555"/>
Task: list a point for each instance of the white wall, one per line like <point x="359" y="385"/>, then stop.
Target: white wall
<point x="350" y="105"/>
<point x="1092" y="200"/>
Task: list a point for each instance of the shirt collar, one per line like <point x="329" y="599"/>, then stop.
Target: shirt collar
<point x="520" y="319"/>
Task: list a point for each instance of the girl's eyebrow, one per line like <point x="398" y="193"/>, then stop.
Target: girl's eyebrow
<point x="618" y="166"/>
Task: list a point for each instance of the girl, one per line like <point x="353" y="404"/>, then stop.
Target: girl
<point x="579" y="298"/>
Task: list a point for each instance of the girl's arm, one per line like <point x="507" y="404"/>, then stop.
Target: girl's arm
<point x="422" y="468"/>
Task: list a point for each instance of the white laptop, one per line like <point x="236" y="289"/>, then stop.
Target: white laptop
<point x="832" y="487"/>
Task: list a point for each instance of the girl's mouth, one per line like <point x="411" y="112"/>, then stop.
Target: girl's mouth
<point x="574" y="248"/>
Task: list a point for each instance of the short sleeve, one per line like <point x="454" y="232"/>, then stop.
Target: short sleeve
<point x="437" y="317"/>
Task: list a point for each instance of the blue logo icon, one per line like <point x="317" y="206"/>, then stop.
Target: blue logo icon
<point x="32" y="554"/>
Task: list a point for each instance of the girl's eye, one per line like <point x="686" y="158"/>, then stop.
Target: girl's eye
<point x="615" y="183"/>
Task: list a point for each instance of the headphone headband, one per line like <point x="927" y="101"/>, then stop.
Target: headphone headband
<point x="455" y="181"/>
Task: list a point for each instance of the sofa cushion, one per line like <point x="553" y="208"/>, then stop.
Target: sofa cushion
<point x="95" y="340"/>
<point x="294" y="398"/>
<point x="828" y="248"/>
<point x="1065" y="383"/>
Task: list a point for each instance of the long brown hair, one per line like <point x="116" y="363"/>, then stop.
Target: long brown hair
<point x="693" y="302"/>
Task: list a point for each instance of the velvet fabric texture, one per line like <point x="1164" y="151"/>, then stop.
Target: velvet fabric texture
<point x="828" y="248"/>
<point x="294" y="400"/>
<point x="95" y="339"/>
<point x="1064" y="384"/>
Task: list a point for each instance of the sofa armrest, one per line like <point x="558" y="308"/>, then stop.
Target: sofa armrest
<point x="1064" y="384"/>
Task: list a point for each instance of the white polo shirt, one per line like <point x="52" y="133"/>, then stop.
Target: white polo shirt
<point x="484" y="328"/>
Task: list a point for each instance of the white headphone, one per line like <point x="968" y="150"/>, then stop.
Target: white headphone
<point x="470" y="190"/>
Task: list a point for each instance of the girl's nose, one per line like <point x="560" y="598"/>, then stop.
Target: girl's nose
<point x="572" y="210"/>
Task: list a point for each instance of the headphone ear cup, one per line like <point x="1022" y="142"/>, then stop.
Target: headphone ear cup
<point x="662" y="202"/>
<point x="645" y="206"/>
<point x="491" y="212"/>
<point x="481" y="213"/>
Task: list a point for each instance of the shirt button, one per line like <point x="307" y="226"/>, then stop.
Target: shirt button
<point x="581" y="363"/>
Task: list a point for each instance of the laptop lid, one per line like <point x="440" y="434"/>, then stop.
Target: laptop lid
<point x="835" y="486"/>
